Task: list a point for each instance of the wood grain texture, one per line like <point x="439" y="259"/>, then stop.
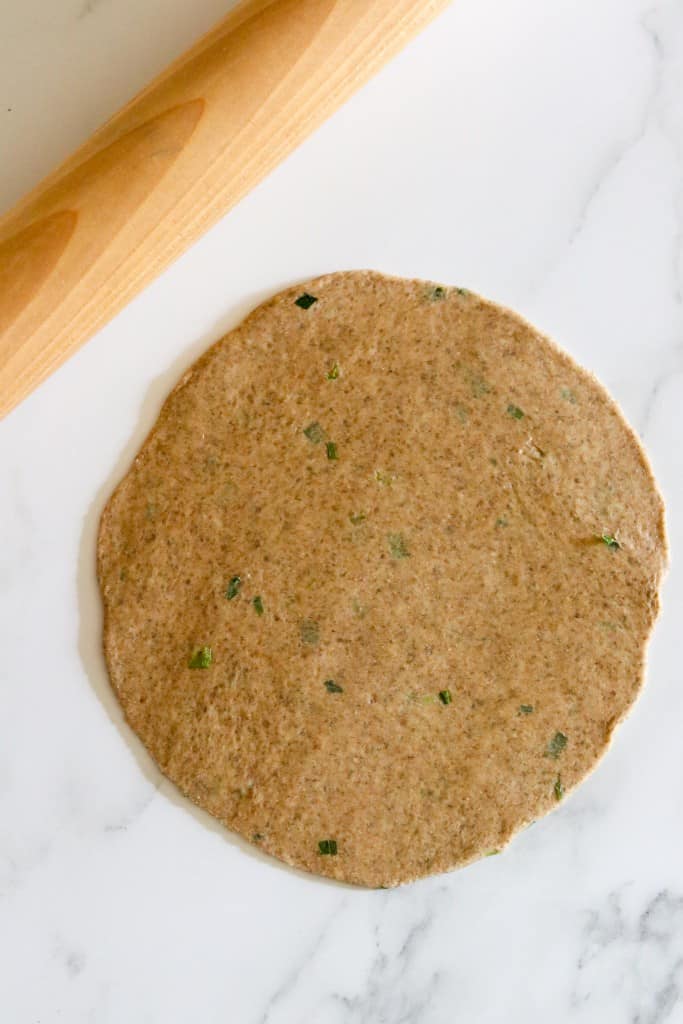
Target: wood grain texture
<point x="173" y="161"/>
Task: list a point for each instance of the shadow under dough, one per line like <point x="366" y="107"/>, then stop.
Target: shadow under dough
<point x="90" y="603"/>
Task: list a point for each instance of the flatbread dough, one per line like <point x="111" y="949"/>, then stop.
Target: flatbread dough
<point x="379" y="584"/>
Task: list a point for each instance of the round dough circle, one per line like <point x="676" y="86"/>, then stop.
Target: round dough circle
<point x="424" y="549"/>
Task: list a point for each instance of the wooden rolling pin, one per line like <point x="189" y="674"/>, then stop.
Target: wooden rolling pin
<point x="172" y="162"/>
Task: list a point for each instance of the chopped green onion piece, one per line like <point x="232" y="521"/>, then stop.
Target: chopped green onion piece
<point x="258" y="836"/>
<point x="333" y="687"/>
<point x="314" y="432"/>
<point x="333" y="374"/>
<point x="526" y="709"/>
<point x="493" y="853"/>
<point x="502" y="522"/>
<point x="611" y="541"/>
<point x="397" y="546"/>
<point x="515" y="412"/>
<point x="332" y="452"/>
<point x="437" y="294"/>
<point x="258" y="604"/>
<point x="556" y="745"/>
<point x="305" y="301"/>
<point x="310" y="632"/>
<point x="445" y="696"/>
<point x="201" y="658"/>
<point x="357" y="518"/>
<point x="558" y="789"/>
<point x="233" y="588"/>
<point x="327" y="847"/>
<point x="479" y="386"/>
<point x="424" y="699"/>
<point x="568" y="395"/>
<point x="462" y="291"/>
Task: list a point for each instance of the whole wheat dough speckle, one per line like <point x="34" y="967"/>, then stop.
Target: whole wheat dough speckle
<point x="379" y="584"/>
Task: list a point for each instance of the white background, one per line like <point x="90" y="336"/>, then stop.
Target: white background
<point x="527" y="150"/>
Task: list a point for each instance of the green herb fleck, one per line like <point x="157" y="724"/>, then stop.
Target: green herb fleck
<point x="310" y="632"/>
<point x="611" y="541"/>
<point x="462" y="291"/>
<point x="427" y="698"/>
<point x="332" y="452"/>
<point x="333" y="374"/>
<point x="515" y="412"/>
<point x="493" y="853"/>
<point x="123" y="575"/>
<point x="445" y="697"/>
<point x="258" y="604"/>
<point x="461" y="412"/>
<point x="479" y="386"/>
<point x="315" y="433"/>
<point x="305" y="301"/>
<point x="333" y="687"/>
<point x="556" y="745"/>
<point x="568" y="395"/>
<point x="383" y="478"/>
<point x="327" y="847"/>
<point x="258" y="836"/>
<point x="233" y="588"/>
<point x="201" y="658"/>
<point x="397" y="546"/>
<point x="358" y="608"/>
<point x="437" y="294"/>
<point x="558" y="789"/>
<point x="500" y="523"/>
<point x="357" y="518"/>
<point x="526" y="709"/>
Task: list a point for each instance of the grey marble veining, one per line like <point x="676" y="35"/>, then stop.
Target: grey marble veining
<point x="634" y="952"/>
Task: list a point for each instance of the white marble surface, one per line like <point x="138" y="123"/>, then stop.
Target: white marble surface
<point x="531" y="151"/>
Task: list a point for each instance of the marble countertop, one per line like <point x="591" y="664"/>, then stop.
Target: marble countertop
<point x="531" y="152"/>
